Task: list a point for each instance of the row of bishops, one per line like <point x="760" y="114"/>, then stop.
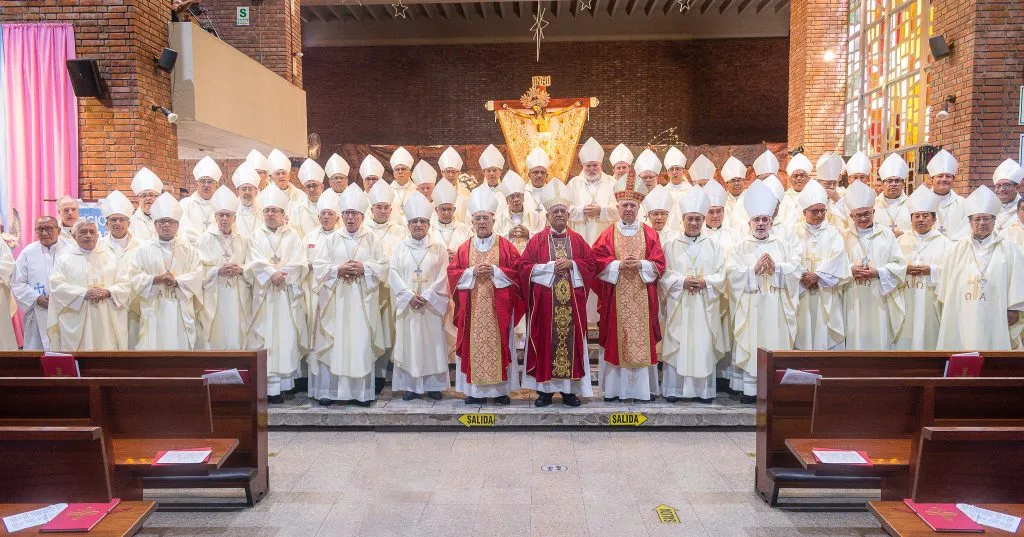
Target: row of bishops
<point x="694" y="275"/>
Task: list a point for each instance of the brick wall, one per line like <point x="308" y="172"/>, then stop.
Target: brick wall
<point x="272" y="38"/>
<point x="119" y="133"/>
<point x="714" y="92"/>
<point x="817" y="89"/>
<point x="984" y="73"/>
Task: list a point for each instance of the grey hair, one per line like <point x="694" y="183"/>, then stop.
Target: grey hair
<point x="65" y="199"/>
<point x="81" y="224"/>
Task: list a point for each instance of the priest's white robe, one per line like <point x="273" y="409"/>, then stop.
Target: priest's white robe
<point x="726" y="238"/>
<point x="736" y="217"/>
<point x="279" y="318"/>
<point x="893" y="213"/>
<point x="921" y="327"/>
<point x="75" y="324"/>
<point x="348" y="338"/>
<point x="401" y="193"/>
<point x="167" y="315"/>
<point x="225" y="308"/>
<point x="532" y="202"/>
<point x="247" y="219"/>
<point x="1015" y="233"/>
<point x="30" y="281"/>
<point x="141" y="226"/>
<point x="875" y="308"/>
<point x="451" y="236"/>
<point x="765" y="304"/>
<point x="981" y="281"/>
<point x="8" y="306"/>
<point x="950" y="219"/>
<point x="388" y="235"/>
<point x="196" y="216"/>
<point x="421" y="346"/>
<point x="693" y="342"/>
<point x="313" y="241"/>
<point x="505" y="221"/>
<point x="1007" y="214"/>
<point x="820" y="316"/>
<point x="122" y="249"/>
<point x="677" y="191"/>
<point x="303" y="217"/>
<point x="582" y="193"/>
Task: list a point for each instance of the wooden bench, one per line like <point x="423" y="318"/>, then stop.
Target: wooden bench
<point x="239" y="411"/>
<point x="784" y="411"/>
<point x="969" y="464"/>
<point x="899" y="521"/>
<point x="124" y="520"/>
<point x="54" y="465"/>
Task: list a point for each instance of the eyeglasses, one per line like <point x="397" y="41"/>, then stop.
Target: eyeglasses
<point x="207" y="182"/>
<point x="986" y="219"/>
<point x="1005" y="186"/>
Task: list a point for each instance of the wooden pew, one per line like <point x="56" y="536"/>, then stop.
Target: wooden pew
<point x="54" y="465"/>
<point x="239" y="411"/>
<point x="969" y="465"/>
<point x="784" y="411"/>
<point x="899" y="521"/>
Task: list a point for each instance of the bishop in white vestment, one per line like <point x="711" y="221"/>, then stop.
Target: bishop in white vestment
<point x="247" y="187"/>
<point x="675" y="166"/>
<point x="1006" y="184"/>
<point x="8" y="306"/>
<point x="891" y="208"/>
<point x="146" y="186"/>
<point x="303" y="212"/>
<point x="225" y="307"/>
<point x="89" y="293"/>
<point x="31" y="280"/>
<point x="950" y="218"/>
<point x="925" y="249"/>
<point x="389" y="233"/>
<point x="117" y="210"/>
<point x="592" y="192"/>
<point x="517" y="222"/>
<point x="197" y="211"/>
<point x="166" y="276"/>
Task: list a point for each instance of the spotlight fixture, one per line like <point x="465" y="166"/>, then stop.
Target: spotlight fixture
<point x="797" y="151"/>
<point x="829" y="56"/>
<point x="943" y="114"/>
<point x="297" y="54"/>
<point x="171" y="116"/>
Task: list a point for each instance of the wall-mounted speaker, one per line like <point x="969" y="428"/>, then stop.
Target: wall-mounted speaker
<point x="166" y="60"/>
<point x="939" y="47"/>
<point x="85" y="78"/>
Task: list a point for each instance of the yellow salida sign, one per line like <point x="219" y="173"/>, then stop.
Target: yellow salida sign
<point x="667" y="514"/>
<point x="477" y="420"/>
<point x="628" y="419"/>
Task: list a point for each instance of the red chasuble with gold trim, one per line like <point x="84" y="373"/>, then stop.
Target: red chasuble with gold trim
<point x="628" y="327"/>
<point x="557" y="315"/>
<point x="485" y="315"/>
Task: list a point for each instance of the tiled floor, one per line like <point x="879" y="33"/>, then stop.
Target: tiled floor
<point x="476" y="484"/>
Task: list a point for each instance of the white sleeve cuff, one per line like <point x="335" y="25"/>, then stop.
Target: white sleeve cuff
<point x="886" y="281"/>
<point x="935" y="276"/>
<point x="543" y="274"/>
<point x="500" y="280"/>
<point x="467" y="280"/>
<point x="577" y="278"/>
<point x="610" y="273"/>
<point x="648" y="272"/>
<point x="827" y="280"/>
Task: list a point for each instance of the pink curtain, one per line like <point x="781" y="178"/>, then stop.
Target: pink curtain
<point x="42" y="119"/>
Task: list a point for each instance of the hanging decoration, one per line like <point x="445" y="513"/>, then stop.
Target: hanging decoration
<point x="539" y="23"/>
<point x="400" y="10"/>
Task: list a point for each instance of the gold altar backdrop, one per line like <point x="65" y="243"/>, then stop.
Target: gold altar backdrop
<point x="560" y="142"/>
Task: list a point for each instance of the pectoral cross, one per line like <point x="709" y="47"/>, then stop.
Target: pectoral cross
<point x="227" y="259"/>
<point x="977" y="283"/>
<point x="865" y="261"/>
<point x="418" y="280"/>
<point x="276" y="261"/>
<point x="40" y="288"/>
<point x="811" y="259"/>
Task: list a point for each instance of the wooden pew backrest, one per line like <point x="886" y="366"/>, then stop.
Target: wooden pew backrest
<point x="53" y="465"/>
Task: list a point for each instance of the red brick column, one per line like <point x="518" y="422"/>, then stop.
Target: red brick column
<point x="817" y="89"/>
<point x="984" y="72"/>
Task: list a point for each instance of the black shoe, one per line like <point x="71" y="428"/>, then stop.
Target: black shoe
<point x="326" y="402"/>
<point x="409" y="396"/>
<point x="704" y="401"/>
<point x="275" y="399"/>
<point x="748" y="399"/>
<point x="610" y="399"/>
<point x="475" y="400"/>
<point x="434" y="395"/>
<point x="672" y="399"/>
<point x="503" y="400"/>
<point x="570" y="399"/>
<point x="362" y="403"/>
<point x="543" y="399"/>
<point x="301" y="385"/>
<point x="378" y="385"/>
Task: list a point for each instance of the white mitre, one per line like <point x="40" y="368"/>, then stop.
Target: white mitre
<point x="555" y="193"/>
<point x="923" y="200"/>
<point x="621" y="153"/>
<point x="353" y="199"/>
<point x="381" y="192"/>
<point x="775" y="186"/>
<point x="658" y="199"/>
<point x="145" y="180"/>
<point x="766" y="162"/>
<point x="982" y="201"/>
<point x="812" y="194"/>
<point x="278" y="161"/>
<point x="830" y="167"/>
<point x="799" y="162"/>
<point x="424" y="173"/>
<point x="482" y="199"/>
<point x="716" y="193"/>
<point x="733" y="168"/>
<point x="417" y="206"/>
<point x="450" y="160"/>
<point x="760" y="200"/>
<point x="943" y="162"/>
<point x="257" y="160"/>
<point x="491" y="158"/>
<point x="207" y="167"/>
<point x="371" y="167"/>
<point x="702" y="169"/>
<point x="648" y="161"/>
<point x="401" y="157"/>
<point x="1008" y="170"/>
<point x="537" y="158"/>
<point x="224" y="200"/>
<point x="445" y="193"/>
<point x="310" y="172"/>
<point x="328" y="201"/>
<point x="674" y="157"/>
<point x="336" y="165"/>
<point x="591" y="151"/>
<point x="245" y="174"/>
<point x="893" y="166"/>
<point x="116" y="203"/>
<point x="858" y="196"/>
<point x="165" y="206"/>
<point x="512" y="183"/>
<point x="272" y="196"/>
<point x="694" y="201"/>
<point x="858" y="163"/>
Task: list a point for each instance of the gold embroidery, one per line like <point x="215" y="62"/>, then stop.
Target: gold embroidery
<point x="485" y="334"/>
<point x="562" y="316"/>
<point x="632" y="317"/>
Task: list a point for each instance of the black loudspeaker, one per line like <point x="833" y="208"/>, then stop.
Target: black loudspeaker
<point x="85" y="78"/>
<point x="167" y="59"/>
<point x="940" y="49"/>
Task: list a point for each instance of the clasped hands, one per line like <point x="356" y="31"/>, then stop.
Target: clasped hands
<point x="809" y="280"/>
<point x="862" y="273"/>
<point x="592" y="210"/>
<point x="95" y="294"/>
<point x="483" y="271"/>
<point x="693" y="284"/>
<point x="350" y="270"/>
<point x="919" y="270"/>
<point x="631" y="262"/>
<point x="166" y="279"/>
<point x="520" y="231"/>
<point x="230" y="269"/>
<point x="764" y="265"/>
<point x="563" y="266"/>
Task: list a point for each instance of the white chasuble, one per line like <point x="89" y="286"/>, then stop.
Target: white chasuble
<point x="765" y="304"/>
<point x="693" y="338"/>
<point x="314" y="241"/>
<point x="981" y="281"/>
<point x="31" y="280"/>
<point x="121" y="248"/>
<point x="600" y="192"/>
<point x="893" y="213"/>
<point x="875" y="308"/>
<point x="951" y="219"/>
<point x="303" y="216"/>
<point x="196" y="216"/>
<point x="420" y="267"/>
<point x="820" y="317"/>
<point x="451" y="236"/>
<point x="141" y="226"/>
<point x="8" y="306"/>
<point x="76" y="324"/>
<point x="726" y="238"/>
<point x="167" y="315"/>
<point x="921" y="327"/>
<point x="225" y="310"/>
<point x="505" y="221"/>
<point x="279" y="321"/>
<point x="388" y="234"/>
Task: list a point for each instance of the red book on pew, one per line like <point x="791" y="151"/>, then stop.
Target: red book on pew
<point x="944" y="517"/>
<point x="56" y="364"/>
<point x="79" y="517"/>
<point x="964" y="365"/>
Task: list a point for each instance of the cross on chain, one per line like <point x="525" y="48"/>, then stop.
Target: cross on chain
<point x="40" y="288"/>
<point x="418" y="280"/>
<point x="977" y="283"/>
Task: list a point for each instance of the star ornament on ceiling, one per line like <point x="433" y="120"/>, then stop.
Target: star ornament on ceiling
<point x="400" y="10"/>
<point x="684" y="5"/>
<point x="584" y="5"/>
<point x="539" y="23"/>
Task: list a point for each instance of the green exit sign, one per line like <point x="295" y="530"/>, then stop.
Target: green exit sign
<point x="242" y="16"/>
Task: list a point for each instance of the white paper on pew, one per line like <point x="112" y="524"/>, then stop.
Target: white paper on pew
<point x="228" y="376"/>
<point x="184" y="457"/>
<point x="838" y="457"/>
<point x="795" y="376"/>
<point x="989" y="518"/>
<point x="35" y="517"/>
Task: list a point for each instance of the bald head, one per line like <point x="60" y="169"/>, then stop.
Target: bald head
<point x="67" y="209"/>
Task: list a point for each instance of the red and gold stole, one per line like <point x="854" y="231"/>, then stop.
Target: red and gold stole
<point x="485" y="334"/>
<point x="632" y="318"/>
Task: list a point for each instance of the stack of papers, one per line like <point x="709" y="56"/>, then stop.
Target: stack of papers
<point x="184" y="456"/>
<point x="839" y="456"/>
<point x="991" y="519"/>
<point x="36" y="517"/>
